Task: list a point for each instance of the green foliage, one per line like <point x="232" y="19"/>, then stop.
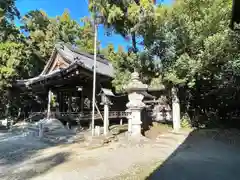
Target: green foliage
<point x="8" y="10"/>
<point x="130" y="20"/>
<point x="186" y="121"/>
<point x="85" y="36"/>
<point x="16" y="62"/>
<point x="10" y="57"/>
<point x="124" y="63"/>
<point x="44" y="32"/>
<point x="123" y="17"/>
<point x="200" y="54"/>
<point x="192" y="39"/>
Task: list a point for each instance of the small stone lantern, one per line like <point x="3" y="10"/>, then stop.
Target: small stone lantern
<point x="135" y="90"/>
<point x="106" y="102"/>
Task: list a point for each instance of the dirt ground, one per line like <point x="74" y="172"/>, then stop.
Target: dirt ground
<point x="188" y="155"/>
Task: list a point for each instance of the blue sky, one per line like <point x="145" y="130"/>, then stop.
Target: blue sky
<point x="77" y="8"/>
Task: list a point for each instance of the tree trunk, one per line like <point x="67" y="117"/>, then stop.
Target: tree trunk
<point x="134" y="42"/>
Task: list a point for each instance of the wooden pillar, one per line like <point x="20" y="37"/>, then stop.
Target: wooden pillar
<point x="82" y="102"/>
<point x="69" y="103"/>
<point x="60" y="101"/>
<point x="175" y="110"/>
<point x="57" y="102"/>
<point x="7" y="109"/>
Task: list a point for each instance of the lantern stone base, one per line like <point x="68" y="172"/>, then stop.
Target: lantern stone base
<point x="136" y="122"/>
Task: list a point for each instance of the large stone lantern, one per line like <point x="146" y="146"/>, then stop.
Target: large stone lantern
<point x="135" y="90"/>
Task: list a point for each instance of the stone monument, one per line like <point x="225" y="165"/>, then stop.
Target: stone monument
<point x="162" y="110"/>
<point x="176" y="110"/>
<point x="135" y="90"/>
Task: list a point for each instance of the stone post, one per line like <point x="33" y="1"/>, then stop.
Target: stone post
<point x="135" y="90"/>
<point x="40" y="130"/>
<point x="106" y="118"/>
<point x="175" y="110"/>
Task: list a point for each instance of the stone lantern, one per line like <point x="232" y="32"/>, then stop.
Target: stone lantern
<point x="135" y="90"/>
<point x="106" y="102"/>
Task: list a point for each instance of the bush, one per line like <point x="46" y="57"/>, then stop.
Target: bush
<point x="185" y="121"/>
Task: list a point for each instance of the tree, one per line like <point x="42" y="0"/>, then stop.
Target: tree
<point x="198" y="53"/>
<point x="123" y="64"/>
<point x="14" y="64"/>
<point x="44" y="32"/>
<point x="85" y="40"/>
<point x="128" y="18"/>
<point x="122" y="16"/>
<point x="8" y="10"/>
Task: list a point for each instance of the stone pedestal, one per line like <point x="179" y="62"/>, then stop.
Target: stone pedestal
<point x="129" y="117"/>
<point x="136" y="122"/>
<point x="135" y="90"/>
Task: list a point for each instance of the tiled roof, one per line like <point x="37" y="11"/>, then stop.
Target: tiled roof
<point x="74" y="57"/>
<point x="103" y="66"/>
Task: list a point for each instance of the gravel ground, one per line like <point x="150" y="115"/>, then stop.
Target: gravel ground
<point x="29" y="158"/>
<point x="181" y="156"/>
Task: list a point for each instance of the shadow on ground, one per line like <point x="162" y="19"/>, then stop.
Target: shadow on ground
<point x="205" y="154"/>
<point x="36" y="168"/>
<point x="20" y="158"/>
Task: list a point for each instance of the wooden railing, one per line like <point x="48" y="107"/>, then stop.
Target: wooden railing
<point x="87" y="115"/>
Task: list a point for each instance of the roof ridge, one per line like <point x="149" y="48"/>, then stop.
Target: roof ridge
<point x="100" y="58"/>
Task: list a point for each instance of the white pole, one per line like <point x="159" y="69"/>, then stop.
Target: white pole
<point x="94" y="76"/>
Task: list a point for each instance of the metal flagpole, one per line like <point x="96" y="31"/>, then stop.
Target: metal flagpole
<point x="94" y="73"/>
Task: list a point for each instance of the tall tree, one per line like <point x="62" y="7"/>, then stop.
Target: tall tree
<point x="128" y="18"/>
<point x="122" y="16"/>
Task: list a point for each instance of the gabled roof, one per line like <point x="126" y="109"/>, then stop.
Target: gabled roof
<point x="107" y="92"/>
<point x="72" y="55"/>
<point x="73" y="58"/>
